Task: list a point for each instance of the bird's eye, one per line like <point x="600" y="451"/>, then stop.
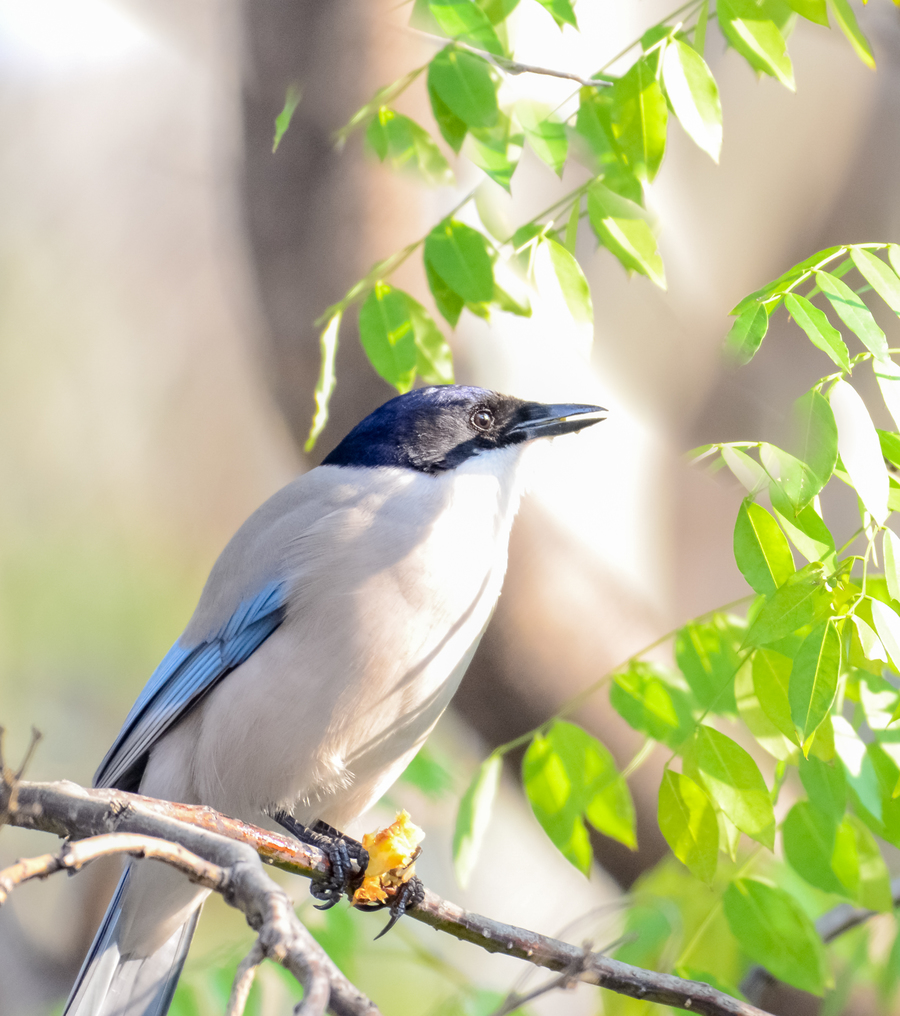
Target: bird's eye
<point x="482" y="419"/>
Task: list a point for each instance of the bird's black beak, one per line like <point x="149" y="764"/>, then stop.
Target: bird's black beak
<point x="540" y="420"/>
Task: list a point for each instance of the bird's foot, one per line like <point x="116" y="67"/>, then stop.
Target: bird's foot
<point x="348" y="858"/>
<point x="409" y="895"/>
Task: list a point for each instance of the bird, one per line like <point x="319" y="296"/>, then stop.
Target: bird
<point x="330" y="636"/>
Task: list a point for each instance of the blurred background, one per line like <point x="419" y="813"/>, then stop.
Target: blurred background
<point x="160" y="272"/>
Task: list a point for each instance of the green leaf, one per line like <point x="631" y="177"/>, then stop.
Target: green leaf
<point x="687" y="820"/>
<point x="449" y="303"/>
<point x="647" y="699"/>
<point x="409" y="147"/>
<point x="846" y="19"/>
<point x="434" y="360"/>
<point x="758" y="722"/>
<point x="561" y="11"/>
<point x="887" y="624"/>
<point x="694" y="95"/>
<point x="467" y="22"/>
<point x="387" y="335"/>
<point x="756" y="37"/>
<point x="854" y="313"/>
<point x="891" y="551"/>
<point x="793" y="484"/>
<point x="771" y="672"/>
<point x="879" y="276"/>
<point x="812" y="10"/>
<point x="459" y="256"/>
<point x="328" y="342"/>
<point x="761" y="549"/>
<point x="706" y="653"/>
<point x="546" y="136"/>
<point x="623" y="227"/>
<point x="774" y="931"/>
<point x="808" y="533"/>
<point x="808" y="836"/>
<point x="428" y="775"/>
<point x="571" y="237"/>
<point x="803" y="599"/>
<point x="816" y="435"/>
<point x="498" y="10"/>
<point x="638" y="117"/>
<point x="733" y="781"/>
<point x="825" y="785"/>
<point x="814" y="679"/>
<point x="860" y="450"/>
<point x="894" y="256"/>
<point x="568" y="774"/>
<point x="858" y="863"/>
<point x="466" y="85"/>
<point x="473" y="817"/>
<point x="887" y="373"/>
<point x="283" y="120"/>
<point x="818" y="328"/>
<point x="574" y="285"/>
<point x="746" y="334"/>
<point x="453" y="130"/>
<point x="594" y="144"/>
<point x="858" y="768"/>
<point x="496" y="150"/>
<point x="890" y="446"/>
<point x="870" y="646"/>
<point x="745" y="469"/>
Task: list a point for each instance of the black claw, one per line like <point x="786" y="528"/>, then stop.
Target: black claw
<point x="411" y="895"/>
<point x="342" y="852"/>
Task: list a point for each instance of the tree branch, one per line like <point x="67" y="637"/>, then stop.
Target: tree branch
<point x="69" y="810"/>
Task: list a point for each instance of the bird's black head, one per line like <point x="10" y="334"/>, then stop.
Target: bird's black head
<point x="436" y="429"/>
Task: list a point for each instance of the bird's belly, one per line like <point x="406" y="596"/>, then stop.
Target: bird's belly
<point x="329" y="710"/>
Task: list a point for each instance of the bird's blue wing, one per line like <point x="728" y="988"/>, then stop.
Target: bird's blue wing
<point x="185" y="675"/>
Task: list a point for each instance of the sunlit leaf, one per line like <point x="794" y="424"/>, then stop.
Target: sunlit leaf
<point x="428" y="775"/>
<point x="694" y="95"/>
<point x="854" y="313"/>
<point x="879" y="276"/>
<point x="814" y="679"/>
<point x="561" y="11"/>
<point x="747" y="333"/>
<point x="328" y="342"/>
<point x="733" y="781"/>
<point x="624" y="228"/>
<point x="860" y="449"/>
<point x="546" y="135"/>
<point x="793" y="484"/>
<point x="595" y="145"/>
<point x="687" y="820"/>
<point x="816" y="435"/>
<point x="571" y="237"/>
<point x="825" y="786"/>
<point x="745" y="469"/>
<point x="887" y="624"/>
<point x="858" y="768"/>
<point x="646" y="699"/>
<point x="846" y="19"/>
<point x="775" y="932"/>
<point x="802" y="600"/>
<point x="891" y="552"/>
<point x="473" y="817"/>
<point x="409" y="148"/>
<point x="459" y="256"/>
<point x="887" y="374"/>
<point x="812" y="10"/>
<point x="452" y="128"/>
<point x="771" y="673"/>
<point x="767" y="734"/>
<point x="467" y="86"/>
<point x="283" y="120"/>
<point x="569" y="775"/>
<point x="387" y="335"/>
<point x="572" y="282"/>
<point x="818" y="328"/>
<point x="808" y="836"/>
<point x="496" y="149"/>
<point x="756" y="37"/>
<point x="639" y="116"/>
<point x="858" y="863"/>
<point x="706" y="653"/>
<point x="448" y="302"/>
<point x="761" y="549"/>
<point x="434" y="360"/>
<point x="465" y="21"/>
<point x="808" y="533"/>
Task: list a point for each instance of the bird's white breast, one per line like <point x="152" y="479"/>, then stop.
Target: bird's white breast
<point x="394" y="575"/>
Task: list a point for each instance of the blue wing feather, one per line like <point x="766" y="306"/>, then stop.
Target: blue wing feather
<point x="184" y="676"/>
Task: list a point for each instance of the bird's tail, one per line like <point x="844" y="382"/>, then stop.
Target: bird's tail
<point x="113" y="984"/>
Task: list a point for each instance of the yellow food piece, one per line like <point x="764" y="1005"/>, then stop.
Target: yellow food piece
<point x="392" y="859"/>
